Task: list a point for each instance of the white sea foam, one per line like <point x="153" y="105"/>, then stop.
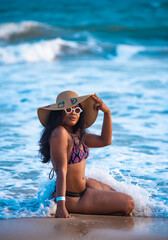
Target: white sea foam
<point x="36" y="52"/>
<point x="9" y="29"/>
<point x="125" y="52"/>
<point x="49" y="50"/>
<point x="144" y="205"/>
<point x="45" y="50"/>
<point x="141" y="196"/>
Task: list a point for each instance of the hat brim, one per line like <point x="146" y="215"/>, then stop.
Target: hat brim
<point x="87" y="103"/>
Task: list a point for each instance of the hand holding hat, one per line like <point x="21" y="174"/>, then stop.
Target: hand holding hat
<point x="100" y="105"/>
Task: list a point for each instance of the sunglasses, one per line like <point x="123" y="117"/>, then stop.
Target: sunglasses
<point x="77" y="110"/>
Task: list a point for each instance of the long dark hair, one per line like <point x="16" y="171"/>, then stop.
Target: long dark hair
<point x="56" y="119"/>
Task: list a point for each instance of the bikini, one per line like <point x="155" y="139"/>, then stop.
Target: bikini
<point x="77" y="155"/>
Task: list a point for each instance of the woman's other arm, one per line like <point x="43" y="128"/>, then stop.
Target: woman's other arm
<point x="58" y="152"/>
<point x="93" y="140"/>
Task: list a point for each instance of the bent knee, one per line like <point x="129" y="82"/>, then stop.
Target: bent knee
<point x="129" y="205"/>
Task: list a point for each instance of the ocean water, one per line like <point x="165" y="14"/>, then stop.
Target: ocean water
<point x="119" y="51"/>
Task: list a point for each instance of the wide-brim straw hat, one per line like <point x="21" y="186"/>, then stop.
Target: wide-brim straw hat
<point x="68" y="99"/>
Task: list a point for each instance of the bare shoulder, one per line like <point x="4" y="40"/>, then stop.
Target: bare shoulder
<point x="58" y="146"/>
<point x="59" y="132"/>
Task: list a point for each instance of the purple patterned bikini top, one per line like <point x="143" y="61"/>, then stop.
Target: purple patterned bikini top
<point x="78" y="154"/>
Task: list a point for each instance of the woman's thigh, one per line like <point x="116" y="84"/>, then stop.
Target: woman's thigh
<point x="92" y="183"/>
<point x="102" y="202"/>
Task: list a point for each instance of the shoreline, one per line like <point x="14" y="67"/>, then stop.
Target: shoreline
<point x="84" y="227"/>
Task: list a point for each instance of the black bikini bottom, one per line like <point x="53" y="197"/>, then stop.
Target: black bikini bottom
<point x="71" y="194"/>
<point x="74" y="194"/>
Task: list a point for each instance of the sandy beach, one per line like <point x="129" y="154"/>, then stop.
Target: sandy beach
<point x="84" y="227"/>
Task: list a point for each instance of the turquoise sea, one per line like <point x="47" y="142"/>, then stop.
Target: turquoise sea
<point x="118" y="50"/>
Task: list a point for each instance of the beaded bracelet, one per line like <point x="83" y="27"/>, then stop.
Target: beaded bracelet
<point x="61" y="198"/>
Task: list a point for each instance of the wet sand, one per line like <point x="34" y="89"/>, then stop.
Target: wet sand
<point x="87" y="227"/>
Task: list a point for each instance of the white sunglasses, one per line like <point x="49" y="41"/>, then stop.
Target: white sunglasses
<point x="77" y="110"/>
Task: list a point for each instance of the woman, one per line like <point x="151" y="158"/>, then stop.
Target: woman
<point x="65" y="142"/>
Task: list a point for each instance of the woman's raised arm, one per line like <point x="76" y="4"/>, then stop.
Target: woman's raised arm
<point x="58" y="152"/>
<point x="93" y="140"/>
